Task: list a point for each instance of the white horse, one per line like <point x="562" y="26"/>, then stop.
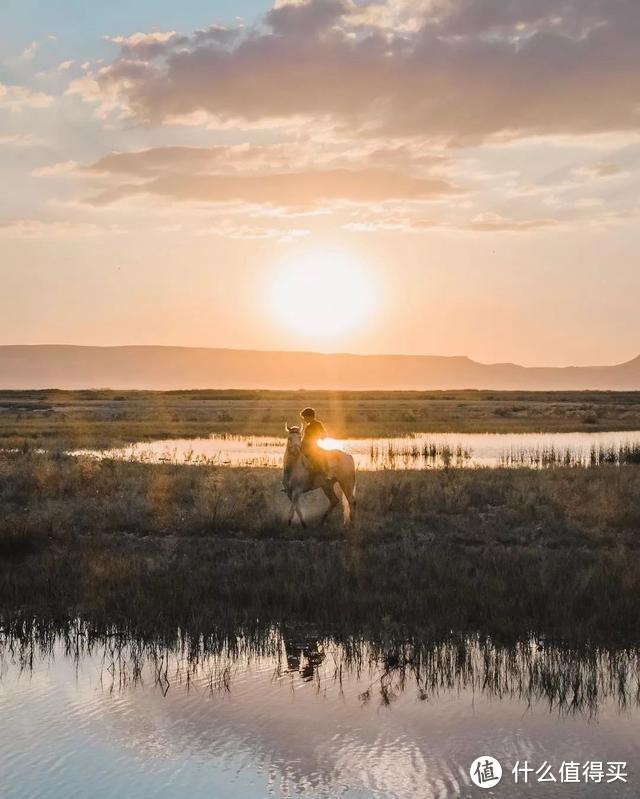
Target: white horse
<point x="302" y="478"/>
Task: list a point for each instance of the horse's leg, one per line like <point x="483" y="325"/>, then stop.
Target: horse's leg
<point x="329" y="492"/>
<point x="292" y="510"/>
<point x="352" y="506"/>
<point x="295" y="508"/>
<point x="348" y="487"/>
<point x="299" y="512"/>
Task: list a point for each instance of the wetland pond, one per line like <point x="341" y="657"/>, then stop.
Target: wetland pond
<point x="304" y="714"/>
<point x="291" y="715"/>
<point x="417" y="451"/>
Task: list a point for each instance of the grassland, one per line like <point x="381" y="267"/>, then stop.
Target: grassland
<point x="152" y="547"/>
<point x="101" y="419"/>
<point x="506" y="552"/>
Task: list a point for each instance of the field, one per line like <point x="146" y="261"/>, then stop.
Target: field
<point x="509" y="553"/>
<point x="100" y="419"/>
<point x="497" y="551"/>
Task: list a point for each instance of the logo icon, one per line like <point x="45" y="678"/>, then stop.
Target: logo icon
<point x="485" y="772"/>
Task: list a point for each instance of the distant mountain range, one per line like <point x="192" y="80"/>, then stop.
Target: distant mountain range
<point x="78" y="367"/>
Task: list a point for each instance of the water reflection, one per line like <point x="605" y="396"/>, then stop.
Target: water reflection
<point x="566" y="679"/>
<point x="290" y="712"/>
<point x="417" y="451"/>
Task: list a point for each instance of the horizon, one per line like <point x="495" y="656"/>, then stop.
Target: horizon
<point x="336" y="353"/>
<point x="365" y="176"/>
<point x="162" y="368"/>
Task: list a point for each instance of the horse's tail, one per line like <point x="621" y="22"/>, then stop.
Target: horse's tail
<point x="353" y="501"/>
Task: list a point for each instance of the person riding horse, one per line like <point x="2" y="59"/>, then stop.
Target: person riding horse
<point x="313" y="432"/>
<point x="308" y="467"/>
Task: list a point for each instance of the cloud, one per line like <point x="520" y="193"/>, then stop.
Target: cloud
<point x="20" y="140"/>
<point x="147" y="45"/>
<point x="307" y="18"/>
<point x="495" y="223"/>
<point x="29" y="53"/>
<point x="233" y="230"/>
<point x="216" y="33"/>
<point x="402" y="16"/>
<point x="168" y="160"/>
<point x="52" y="170"/>
<point x="463" y="71"/>
<point x="16" y="97"/>
<point x="488" y="222"/>
<point x="290" y="156"/>
<point x="30" y="228"/>
<point x="284" y="189"/>
<point x="601" y="170"/>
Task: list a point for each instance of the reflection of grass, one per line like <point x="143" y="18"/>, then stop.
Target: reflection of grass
<point x="567" y="679"/>
<point x="495" y="550"/>
<point x="59" y="419"/>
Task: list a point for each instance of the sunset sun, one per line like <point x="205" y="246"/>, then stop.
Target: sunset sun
<point x="322" y="294"/>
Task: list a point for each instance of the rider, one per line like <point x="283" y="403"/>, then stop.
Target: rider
<point x="313" y="431"/>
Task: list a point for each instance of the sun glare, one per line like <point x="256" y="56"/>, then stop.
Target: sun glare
<point x="323" y="294"/>
<point x="330" y="444"/>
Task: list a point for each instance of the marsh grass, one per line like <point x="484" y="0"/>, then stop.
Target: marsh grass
<point x="46" y="497"/>
<point x="102" y="419"/>
<point x="385" y="454"/>
<point x="552" y="457"/>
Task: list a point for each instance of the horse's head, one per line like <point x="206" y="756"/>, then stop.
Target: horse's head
<point x="294" y="439"/>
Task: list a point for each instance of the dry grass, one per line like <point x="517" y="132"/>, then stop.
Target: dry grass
<point x="101" y="419"/>
<point x="160" y="545"/>
<point x="54" y="495"/>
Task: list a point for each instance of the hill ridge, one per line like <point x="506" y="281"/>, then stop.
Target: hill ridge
<point x="76" y="366"/>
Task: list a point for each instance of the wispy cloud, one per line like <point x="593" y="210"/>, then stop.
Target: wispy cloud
<point x="33" y="228"/>
<point x="20" y="140"/>
<point x="16" y="97"/>
<point x="212" y="175"/>
<point x="493" y="223"/>
<point x="29" y="53"/>
<point x="53" y="170"/>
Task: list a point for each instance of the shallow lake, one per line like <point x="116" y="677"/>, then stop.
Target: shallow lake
<point x="309" y="718"/>
<point x="418" y="451"/>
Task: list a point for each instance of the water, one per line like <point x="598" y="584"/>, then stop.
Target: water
<point x="417" y="451"/>
<point x="307" y="718"/>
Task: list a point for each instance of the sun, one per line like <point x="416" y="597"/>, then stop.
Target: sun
<point x="322" y="294"/>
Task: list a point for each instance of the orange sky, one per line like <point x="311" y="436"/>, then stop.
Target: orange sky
<point x="470" y="167"/>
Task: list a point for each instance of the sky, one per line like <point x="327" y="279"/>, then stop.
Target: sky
<point x="441" y="177"/>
